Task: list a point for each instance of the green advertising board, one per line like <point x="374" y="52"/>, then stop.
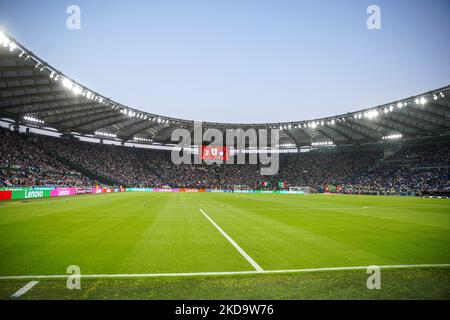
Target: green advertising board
<point x="30" y="194"/>
<point x="25" y="188"/>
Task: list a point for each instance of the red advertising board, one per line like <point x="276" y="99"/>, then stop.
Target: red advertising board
<point x="214" y="153"/>
<point x="5" y="195"/>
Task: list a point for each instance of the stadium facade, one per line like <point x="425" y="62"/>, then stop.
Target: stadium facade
<point x="35" y="94"/>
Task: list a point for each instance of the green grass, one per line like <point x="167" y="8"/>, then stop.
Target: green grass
<point x="127" y="233"/>
<point x="395" y="284"/>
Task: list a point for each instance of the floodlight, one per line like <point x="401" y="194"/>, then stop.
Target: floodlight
<point x="67" y="83"/>
<point x="423" y="101"/>
<point x="12" y="46"/>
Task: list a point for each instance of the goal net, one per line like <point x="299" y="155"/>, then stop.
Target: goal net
<point x="239" y="188"/>
<point x="299" y="190"/>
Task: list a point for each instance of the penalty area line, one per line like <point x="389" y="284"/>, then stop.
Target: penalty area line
<point x="223" y="273"/>
<point x="24" y="289"/>
<point x="238" y="248"/>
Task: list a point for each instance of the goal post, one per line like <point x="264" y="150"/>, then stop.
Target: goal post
<point x="299" y="190"/>
<point x="238" y="188"/>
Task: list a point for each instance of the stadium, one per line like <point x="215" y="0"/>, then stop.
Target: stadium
<point x="89" y="184"/>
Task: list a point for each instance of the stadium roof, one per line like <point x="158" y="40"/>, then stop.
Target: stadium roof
<point x="34" y="94"/>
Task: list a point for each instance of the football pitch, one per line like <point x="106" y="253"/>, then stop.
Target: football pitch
<point x="142" y="245"/>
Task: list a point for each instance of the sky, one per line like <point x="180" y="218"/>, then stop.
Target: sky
<point x="241" y="61"/>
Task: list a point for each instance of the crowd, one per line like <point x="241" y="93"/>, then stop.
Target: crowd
<point x="120" y="165"/>
<point x="423" y="167"/>
<point x="307" y="169"/>
<point x="22" y="163"/>
<point x="42" y="160"/>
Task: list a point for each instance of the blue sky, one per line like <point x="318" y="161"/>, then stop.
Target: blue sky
<point x="241" y="61"/>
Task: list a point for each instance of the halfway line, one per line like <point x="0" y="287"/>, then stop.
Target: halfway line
<point x="238" y="248"/>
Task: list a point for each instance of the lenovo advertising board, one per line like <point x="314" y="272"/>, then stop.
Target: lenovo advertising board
<point x="30" y="194"/>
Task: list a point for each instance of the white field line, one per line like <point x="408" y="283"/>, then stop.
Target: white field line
<point x="238" y="248"/>
<point x="223" y="273"/>
<point x="24" y="289"/>
<point x="330" y="208"/>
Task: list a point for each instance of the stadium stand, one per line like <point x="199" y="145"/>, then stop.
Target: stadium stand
<point x="28" y="159"/>
<point x="416" y="168"/>
<point x="114" y="165"/>
<point x="24" y="164"/>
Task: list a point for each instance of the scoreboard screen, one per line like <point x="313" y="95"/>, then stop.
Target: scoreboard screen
<point x="214" y="153"/>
